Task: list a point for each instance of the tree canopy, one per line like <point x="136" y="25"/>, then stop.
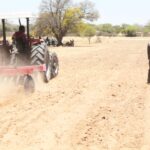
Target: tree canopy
<point x="58" y="17"/>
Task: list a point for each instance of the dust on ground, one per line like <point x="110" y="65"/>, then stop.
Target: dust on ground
<point x="99" y="101"/>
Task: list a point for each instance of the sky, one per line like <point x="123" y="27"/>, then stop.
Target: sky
<point x="115" y="12"/>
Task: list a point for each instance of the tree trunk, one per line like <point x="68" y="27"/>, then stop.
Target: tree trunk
<point x="59" y="40"/>
<point x="89" y="38"/>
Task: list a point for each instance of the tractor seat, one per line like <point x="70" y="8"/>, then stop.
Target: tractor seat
<point x="20" y="45"/>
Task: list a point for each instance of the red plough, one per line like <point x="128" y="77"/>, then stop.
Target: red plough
<point x="21" y="70"/>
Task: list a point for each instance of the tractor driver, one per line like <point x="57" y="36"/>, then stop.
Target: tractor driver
<point x="20" y="39"/>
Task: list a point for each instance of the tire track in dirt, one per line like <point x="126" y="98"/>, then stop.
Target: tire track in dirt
<point x="85" y="104"/>
<point x="88" y="102"/>
<point x="146" y="143"/>
<point x="102" y="117"/>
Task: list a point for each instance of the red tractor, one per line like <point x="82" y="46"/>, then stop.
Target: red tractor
<point x="21" y="64"/>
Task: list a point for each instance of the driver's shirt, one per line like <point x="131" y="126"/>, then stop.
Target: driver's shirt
<point x="18" y="35"/>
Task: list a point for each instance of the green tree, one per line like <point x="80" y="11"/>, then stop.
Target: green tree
<point x="89" y="31"/>
<point x="60" y="16"/>
<point x="40" y="28"/>
<point x="117" y="29"/>
<point x="79" y="29"/>
<point x="105" y="29"/>
<point x="130" y="31"/>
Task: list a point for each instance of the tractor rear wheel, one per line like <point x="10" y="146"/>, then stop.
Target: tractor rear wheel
<point x="40" y="55"/>
<point x="54" y="64"/>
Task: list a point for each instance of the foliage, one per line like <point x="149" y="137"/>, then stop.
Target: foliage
<point x="58" y="17"/>
<point x="105" y="29"/>
<point x="129" y="30"/>
<point x="88" y="11"/>
<point x="40" y="28"/>
<point x="79" y="29"/>
<point x="116" y="29"/>
<point x="9" y="28"/>
<point x="124" y="29"/>
<point x="89" y="31"/>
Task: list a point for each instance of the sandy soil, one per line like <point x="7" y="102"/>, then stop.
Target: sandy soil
<point x="99" y="101"/>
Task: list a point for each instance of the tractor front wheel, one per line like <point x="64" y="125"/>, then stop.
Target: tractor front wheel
<point x="29" y="84"/>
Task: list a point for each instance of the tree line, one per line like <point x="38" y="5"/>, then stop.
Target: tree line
<point x="59" y="18"/>
<point x="123" y="30"/>
<point x="86" y="29"/>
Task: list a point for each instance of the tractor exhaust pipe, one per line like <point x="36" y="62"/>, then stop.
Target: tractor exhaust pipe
<point x="19" y="22"/>
<point x="4" y="31"/>
<point x="28" y="34"/>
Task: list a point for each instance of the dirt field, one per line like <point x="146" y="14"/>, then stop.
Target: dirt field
<point x="99" y="101"/>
